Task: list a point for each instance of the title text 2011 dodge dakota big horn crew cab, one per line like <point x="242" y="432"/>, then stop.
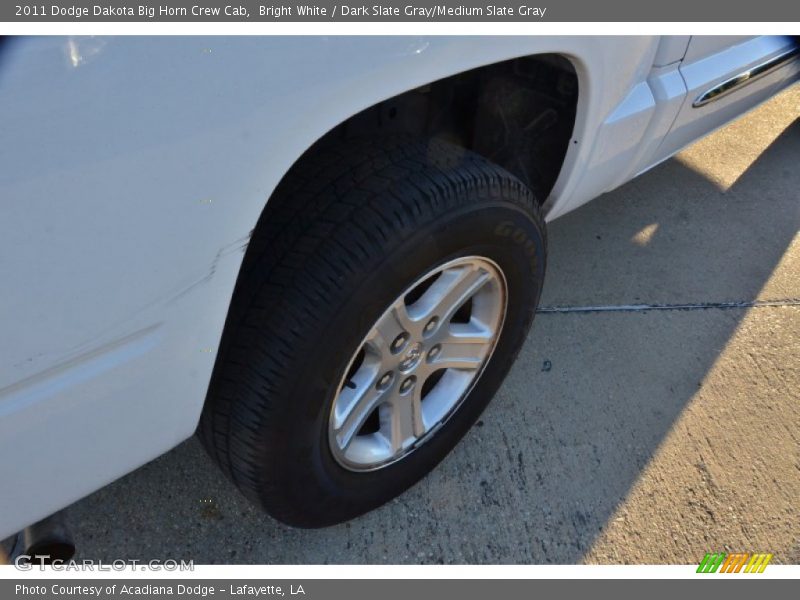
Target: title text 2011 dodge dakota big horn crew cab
<point x="320" y="253"/>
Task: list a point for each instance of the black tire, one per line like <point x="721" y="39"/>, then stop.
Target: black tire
<point x="344" y="234"/>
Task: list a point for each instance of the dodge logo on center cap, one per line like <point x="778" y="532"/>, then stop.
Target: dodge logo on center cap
<point x="412" y="357"/>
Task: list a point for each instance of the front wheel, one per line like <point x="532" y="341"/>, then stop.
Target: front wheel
<point x="395" y="287"/>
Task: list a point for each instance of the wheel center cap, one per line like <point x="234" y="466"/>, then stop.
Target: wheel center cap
<point x="411" y="358"/>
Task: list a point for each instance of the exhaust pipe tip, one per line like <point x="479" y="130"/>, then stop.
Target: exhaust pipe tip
<point x="46" y="551"/>
<point x="46" y="541"/>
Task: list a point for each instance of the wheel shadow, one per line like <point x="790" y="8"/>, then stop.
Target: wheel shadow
<point x="583" y="411"/>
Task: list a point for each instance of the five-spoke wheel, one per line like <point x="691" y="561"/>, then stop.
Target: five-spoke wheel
<point x="417" y="363"/>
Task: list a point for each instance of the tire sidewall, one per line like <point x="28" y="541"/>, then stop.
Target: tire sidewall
<point x="491" y="228"/>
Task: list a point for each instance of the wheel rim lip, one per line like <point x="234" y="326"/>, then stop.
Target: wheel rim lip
<point x="499" y="276"/>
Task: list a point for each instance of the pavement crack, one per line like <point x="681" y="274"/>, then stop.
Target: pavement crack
<point x="736" y="304"/>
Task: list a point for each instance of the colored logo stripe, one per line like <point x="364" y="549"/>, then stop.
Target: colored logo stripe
<point x="733" y="563"/>
<point x="758" y="563"/>
<point x="711" y="563"/>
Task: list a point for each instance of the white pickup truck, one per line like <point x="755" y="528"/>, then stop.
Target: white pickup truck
<point x="320" y="253"/>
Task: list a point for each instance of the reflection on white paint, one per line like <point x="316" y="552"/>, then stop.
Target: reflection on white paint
<point x="82" y="49"/>
<point x="73" y="53"/>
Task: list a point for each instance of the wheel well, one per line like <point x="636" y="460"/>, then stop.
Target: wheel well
<point x="519" y="114"/>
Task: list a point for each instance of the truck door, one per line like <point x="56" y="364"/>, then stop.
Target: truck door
<point x="726" y="76"/>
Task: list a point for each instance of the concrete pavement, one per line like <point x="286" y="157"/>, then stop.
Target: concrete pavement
<point x="635" y="436"/>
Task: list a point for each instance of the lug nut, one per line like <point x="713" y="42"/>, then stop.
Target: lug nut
<point x="399" y="342"/>
<point x="384" y="381"/>
<point x="407" y="384"/>
<point x="431" y="324"/>
<point x="434" y="352"/>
